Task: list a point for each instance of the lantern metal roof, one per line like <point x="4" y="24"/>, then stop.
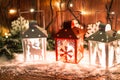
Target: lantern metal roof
<point x="34" y="31"/>
<point x="103" y="36"/>
<point x="118" y="35"/>
<point x="68" y="32"/>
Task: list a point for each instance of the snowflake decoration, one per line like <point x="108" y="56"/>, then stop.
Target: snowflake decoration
<point x="65" y="53"/>
<point x="92" y="28"/>
<point x="19" y="25"/>
<point x="66" y="50"/>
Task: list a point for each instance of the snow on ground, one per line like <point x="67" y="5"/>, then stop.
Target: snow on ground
<point x="54" y="70"/>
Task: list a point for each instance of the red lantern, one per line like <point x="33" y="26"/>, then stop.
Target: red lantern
<point x="69" y="44"/>
<point x="34" y="43"/>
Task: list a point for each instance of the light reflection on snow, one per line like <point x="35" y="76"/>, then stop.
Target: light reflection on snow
<point x="52" y="67"/>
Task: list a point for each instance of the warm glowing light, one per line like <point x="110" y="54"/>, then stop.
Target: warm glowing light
<point x="3" y="31"/>
<point x="112" y="12"/>
<point x="83" y="12"/>
<point x="57" y="5"/>
<point x="12" y="11"/>
<point x="82" y="27"/>
<point x="71" y="5"/>
<point x="118" y="32"/>
<point x="32" y="30"/>
<point x="6" y="35"/>
<point x="60" y="5"/>
<point x="32" y="10"/>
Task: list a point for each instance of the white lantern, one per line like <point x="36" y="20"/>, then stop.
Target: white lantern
<point x="34" y="43"/>
<point x="103" y="47"/>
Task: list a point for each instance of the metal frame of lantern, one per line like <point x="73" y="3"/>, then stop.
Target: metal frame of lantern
<point x="34" y="43"/>
<point x="102" y="48"/>
<point x="68" y="45"/>
<point x="118" y="46"/>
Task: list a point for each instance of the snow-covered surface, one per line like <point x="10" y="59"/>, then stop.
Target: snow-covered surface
<point x="50" y="69"/>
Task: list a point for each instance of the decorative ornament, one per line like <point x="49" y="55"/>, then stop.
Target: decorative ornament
<point x="69" y="43"/>
<point x="92" y="28"/>
<point x="19" y="25"/>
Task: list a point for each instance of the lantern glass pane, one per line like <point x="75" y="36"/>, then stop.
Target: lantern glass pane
<point x="118" y="51"/>
<point x="114" y="53"/>
<point x="65" y="48"/>
<point x="33" y="49"/>
<point x="104" y="54"/>
<point x="80" y="49"/>
<point x="97" y="53"/>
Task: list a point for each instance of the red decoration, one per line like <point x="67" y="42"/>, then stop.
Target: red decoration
<point x="69" y="44"/>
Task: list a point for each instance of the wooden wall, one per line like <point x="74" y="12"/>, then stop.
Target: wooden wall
<point x="92" y="11"/>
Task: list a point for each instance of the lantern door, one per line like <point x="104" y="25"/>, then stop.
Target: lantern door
<point x="65" y="50"/>
<point x="34" y="49"/>
<point x="103" y="54"/>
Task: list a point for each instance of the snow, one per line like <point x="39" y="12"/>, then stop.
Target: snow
<point x="50" y="69"/>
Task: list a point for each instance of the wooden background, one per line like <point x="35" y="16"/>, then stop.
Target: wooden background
<point x="86" y="11"/>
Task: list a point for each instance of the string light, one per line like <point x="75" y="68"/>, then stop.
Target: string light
<point x="60" y="5"/>
<point x="12" y="11"/>
<point x="112" y="12"/>
<point x="71" y="5"/>
<point x="32" y="10"/>
<point x="83" y="12"/>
